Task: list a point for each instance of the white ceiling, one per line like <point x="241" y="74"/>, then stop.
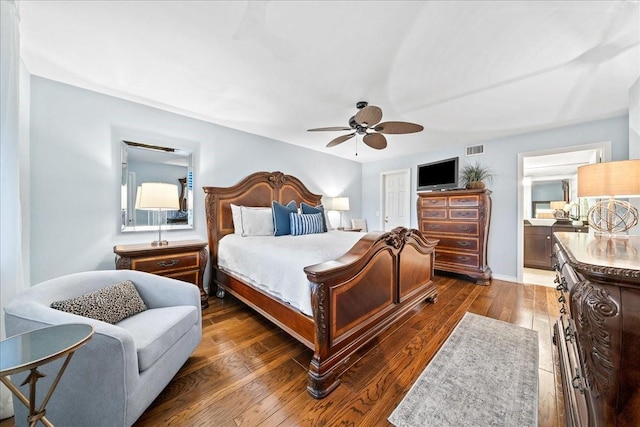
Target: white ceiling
<point x="467" y="71"/>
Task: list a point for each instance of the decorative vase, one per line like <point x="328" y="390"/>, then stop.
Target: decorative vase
<point x="475" y="185"/>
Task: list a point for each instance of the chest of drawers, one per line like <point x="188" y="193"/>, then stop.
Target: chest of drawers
<point x="183" y="260"/>
<point x="598" y="332"/>
<point x="460" y="220"/>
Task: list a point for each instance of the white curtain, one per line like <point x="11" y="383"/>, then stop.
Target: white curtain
<point x="11" y="273"/>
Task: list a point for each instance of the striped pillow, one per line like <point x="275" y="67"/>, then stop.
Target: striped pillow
<point x="305" y="223"/>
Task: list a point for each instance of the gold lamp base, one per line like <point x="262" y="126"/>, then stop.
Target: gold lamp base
<point x="612" y="216"/>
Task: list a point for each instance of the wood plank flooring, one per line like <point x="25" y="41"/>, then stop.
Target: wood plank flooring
<point x="247" y="372"/>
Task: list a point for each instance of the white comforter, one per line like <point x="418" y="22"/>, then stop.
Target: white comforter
<point x="276" y="264"/>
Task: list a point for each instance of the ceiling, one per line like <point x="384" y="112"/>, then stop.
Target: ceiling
<point x="467" y="71"/>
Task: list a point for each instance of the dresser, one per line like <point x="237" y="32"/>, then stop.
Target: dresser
<point x="184" y="260"/>
<point x="460" y="220"/>
<point x="598" y="331"/>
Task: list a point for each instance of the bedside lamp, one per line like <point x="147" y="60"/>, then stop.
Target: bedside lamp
<point x="340" y="204"/>
<point x="158" y="197"/>
<point x="610" y="180"/>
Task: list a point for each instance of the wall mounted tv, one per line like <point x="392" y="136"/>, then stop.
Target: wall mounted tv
<point x="440" y="175"/>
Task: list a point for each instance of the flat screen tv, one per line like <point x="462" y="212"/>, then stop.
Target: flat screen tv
<point x="440" y="175"/>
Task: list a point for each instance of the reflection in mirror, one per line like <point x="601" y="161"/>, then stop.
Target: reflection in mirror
<point x="151" y="163"/>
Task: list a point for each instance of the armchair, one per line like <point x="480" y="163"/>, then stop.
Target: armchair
<point x="113" y="378"/>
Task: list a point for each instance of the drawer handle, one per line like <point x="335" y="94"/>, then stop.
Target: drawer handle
<point x="465" y="213"/>
<point x="434" y="202"/>
<point x="464" y="243"/>
<point x="465" y="228"/>
<point x="434" y="226"/>
<point x="428" y="214"/>
<point x="168" y="264"/>
<point x="463" y="258"/>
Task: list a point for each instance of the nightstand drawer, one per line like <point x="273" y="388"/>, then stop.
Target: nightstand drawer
<point x="184" y="260"/>
<point x="166" y="263"/>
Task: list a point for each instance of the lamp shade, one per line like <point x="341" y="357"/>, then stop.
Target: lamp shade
<point x="157" y="195"/>
<point x="621" y="179"/>
<point x="558" y="205"/>
<point x="340" y="204"/>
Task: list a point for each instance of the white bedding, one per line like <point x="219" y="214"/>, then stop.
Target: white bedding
<point x="276" y="264"/>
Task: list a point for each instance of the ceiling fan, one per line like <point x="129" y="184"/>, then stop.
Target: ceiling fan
<point x="364" y="122"/>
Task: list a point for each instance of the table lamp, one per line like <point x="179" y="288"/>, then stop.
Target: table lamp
<point x="340" y="204"/>
<point x="558" y="208"/>
<point x="158" y="197"/>
<point x="611" y="180"/>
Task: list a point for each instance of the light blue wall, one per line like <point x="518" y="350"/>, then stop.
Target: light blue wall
<point x="75" y="172"/>
<point x="502" y="156"/>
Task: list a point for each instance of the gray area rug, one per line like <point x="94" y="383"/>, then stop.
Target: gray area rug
<point x="485" y="374"/>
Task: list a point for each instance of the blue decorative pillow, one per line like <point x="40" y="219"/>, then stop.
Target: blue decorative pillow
<point x="308" y="209"/>
<point x="305" y="223"/>
<point x="281" y="220"/>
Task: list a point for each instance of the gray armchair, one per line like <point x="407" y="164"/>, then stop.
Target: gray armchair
<point x="113" y="378"/>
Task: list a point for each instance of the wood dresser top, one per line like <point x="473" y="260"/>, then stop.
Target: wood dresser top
<point x="620" y="256"/>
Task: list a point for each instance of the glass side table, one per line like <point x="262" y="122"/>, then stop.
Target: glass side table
<point x="35" y="348"/>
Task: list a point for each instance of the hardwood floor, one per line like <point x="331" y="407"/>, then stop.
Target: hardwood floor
<point x="248" y="372"/>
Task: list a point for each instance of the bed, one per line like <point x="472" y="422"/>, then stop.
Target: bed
<point x="353" y="298"/>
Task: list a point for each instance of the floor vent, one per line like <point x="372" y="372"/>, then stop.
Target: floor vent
<point x="473" y="150"/>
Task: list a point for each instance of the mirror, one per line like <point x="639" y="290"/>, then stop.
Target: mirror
<point x="151" y="163"/>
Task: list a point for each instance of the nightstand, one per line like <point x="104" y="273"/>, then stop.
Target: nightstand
<point x="183" y="260"/>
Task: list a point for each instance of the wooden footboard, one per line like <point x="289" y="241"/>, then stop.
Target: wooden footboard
<point x="362" y="293"/>
<point x="354" y="298"/>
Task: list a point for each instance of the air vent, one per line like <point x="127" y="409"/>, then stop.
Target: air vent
<point x="473" y="150"/>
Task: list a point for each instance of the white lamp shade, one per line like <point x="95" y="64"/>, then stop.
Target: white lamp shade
<point x="340" y="204"/>
<point x="157" y="195"/>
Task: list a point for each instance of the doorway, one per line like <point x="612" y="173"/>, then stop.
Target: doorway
<point x="549" y="165"/>
<point x="395" y="200"/>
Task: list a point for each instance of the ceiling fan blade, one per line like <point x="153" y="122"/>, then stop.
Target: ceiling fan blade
<point x="340" y="140"/>
<point x="369" y="115"/>
<point x="340" y="128"/>
<point x="398" y="127"/>
<point x="375" y="140"/>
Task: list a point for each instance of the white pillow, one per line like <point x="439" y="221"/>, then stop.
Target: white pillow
<point x="256" y="221"/>
<point x="237" y="219"/>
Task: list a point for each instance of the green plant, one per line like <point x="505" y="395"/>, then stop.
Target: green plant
<point x="475" y="173"/>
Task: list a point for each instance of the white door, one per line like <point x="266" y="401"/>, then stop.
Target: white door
<point x="395" y="199"/>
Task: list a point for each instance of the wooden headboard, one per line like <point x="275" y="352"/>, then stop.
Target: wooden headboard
<point x="257" y="189"/>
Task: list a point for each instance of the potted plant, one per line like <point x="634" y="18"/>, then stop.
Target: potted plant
<point x="472" y="176"/>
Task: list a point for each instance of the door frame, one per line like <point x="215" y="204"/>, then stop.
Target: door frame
<point x="605" y="146"/>
<point x="407" y="198"/>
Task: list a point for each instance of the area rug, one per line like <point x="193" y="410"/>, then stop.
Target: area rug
<point x="485" y="374"/>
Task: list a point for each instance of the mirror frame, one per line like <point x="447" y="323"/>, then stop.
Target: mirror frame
<point x="128" y="195"/>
